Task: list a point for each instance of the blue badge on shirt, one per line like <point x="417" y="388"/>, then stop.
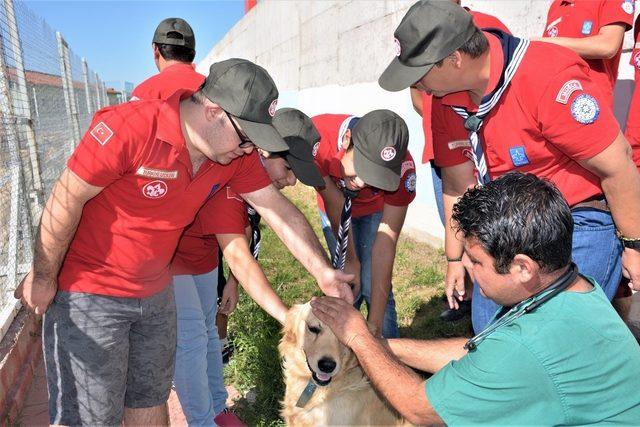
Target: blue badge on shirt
<point x="410" y="182"/>
<point x="518" y="156"/>
<point x="587" y="26"/>
<point x="585" y="109"/>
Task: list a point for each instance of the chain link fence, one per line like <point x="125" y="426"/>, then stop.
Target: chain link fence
<point x="48" y="95"/>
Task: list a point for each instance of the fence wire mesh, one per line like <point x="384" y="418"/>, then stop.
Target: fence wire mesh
<point x="48" y="95"/>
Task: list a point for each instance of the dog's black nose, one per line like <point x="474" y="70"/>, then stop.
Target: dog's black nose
<point x="326" y="365"/>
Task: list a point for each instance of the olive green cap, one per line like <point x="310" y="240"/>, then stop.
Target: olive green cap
<point x="247" y="92"/>
<point x="175" y="25"/>
<point x="301" y="135"/>
<point x="380" y="140"/>
<point x="429" y="32"/>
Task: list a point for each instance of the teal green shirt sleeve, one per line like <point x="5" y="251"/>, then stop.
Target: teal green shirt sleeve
<point x="501" y="382"/>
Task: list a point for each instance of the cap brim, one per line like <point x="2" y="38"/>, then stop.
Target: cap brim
<point x="306" y="172"/>
<point x="375" y="175"/>
<point x="300" y="158"/>
<point x="398" y="77"/>
<point x="263" y="135"/>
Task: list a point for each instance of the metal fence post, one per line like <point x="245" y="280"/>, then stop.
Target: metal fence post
<point x="104" y="95"/>
<point x="25" y="119"/>
<point x="17" y="211"/>
<point x="85" y="75"/>
<point x="67" y="85"/>
<point x="99" y="92"/>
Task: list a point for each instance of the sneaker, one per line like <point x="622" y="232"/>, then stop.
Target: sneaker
<point x="451" y="315"/>
<point x="227" y="351"/>
<point x="226" y="418"/>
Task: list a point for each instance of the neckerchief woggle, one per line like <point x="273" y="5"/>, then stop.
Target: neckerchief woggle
<point x="513" y="50"/>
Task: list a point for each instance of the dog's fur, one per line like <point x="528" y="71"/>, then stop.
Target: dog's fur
<point x="348" y="399"/>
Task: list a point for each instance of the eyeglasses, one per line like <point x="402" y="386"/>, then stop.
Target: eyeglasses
<point x="245" y="142"/>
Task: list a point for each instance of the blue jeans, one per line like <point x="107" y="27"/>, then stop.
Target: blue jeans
<point x="198" y="376"/>
<point x="364" y="233"/>
<point x="596" y="250"/>
<point x="436" y="178"/>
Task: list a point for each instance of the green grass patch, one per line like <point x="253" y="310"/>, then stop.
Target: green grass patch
<point x="256" y="366"/>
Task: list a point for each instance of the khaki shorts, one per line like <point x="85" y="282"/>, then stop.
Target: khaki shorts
<point x="104" y="353"/>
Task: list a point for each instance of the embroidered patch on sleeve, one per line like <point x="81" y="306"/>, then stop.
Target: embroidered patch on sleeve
<point x="585" y="109"/>
<point x="566" y="90"/>
<point x="410" y="183"/>
<point x="462" y="143"/>
<point x="628" y="6"/>
<point x="101" y="133"/>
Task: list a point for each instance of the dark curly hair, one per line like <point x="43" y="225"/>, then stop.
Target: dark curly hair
<point x="518" y="214"/>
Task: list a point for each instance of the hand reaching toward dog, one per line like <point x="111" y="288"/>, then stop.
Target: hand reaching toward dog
<point x="341" y="317"/>
<point x="334" y="283"/>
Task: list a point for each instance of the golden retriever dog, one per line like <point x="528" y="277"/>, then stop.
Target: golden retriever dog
<point x="338" y="392"/>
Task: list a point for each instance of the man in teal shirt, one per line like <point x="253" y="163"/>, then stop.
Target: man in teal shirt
<point x="556" y="353"/>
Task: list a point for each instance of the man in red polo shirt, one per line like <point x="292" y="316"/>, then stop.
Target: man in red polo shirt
<point x="111" y="226"/>
<point x="632" y="130"/>
<point x="512" y="108"/>
<point x="369" y="155"/>
<point x="422" y="104"/>
<point x="174" y="47"/>
<point x="594" y="29"/>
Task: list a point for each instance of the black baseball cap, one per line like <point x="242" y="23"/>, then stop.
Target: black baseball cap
<point x="301" y="135"/>
<point x="380" y="140"/>
<point x="247" y="92"/>
<point x="182" y="33"/>
<point x="429" y="32"/>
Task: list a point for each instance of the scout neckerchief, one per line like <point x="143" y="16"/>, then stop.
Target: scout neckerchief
<point x="513" y="49"/>
<point x="342" y="239"/>
<point x="254" y="222"/>
<point x="339" y="257"/>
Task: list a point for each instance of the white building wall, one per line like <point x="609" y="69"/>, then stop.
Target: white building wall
<point x="326" y="55"/>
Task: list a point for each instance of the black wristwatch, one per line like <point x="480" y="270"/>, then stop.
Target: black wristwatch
<point x="629" y="243"/>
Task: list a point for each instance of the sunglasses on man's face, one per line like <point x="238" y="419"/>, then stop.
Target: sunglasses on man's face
<point x="245" y="142"/>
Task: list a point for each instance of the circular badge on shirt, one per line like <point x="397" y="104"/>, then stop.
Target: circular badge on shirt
<point x="388" y="153"/>
<point x="585" y="109"/>
<point x="627" y="6"/>
<point x="553" y="31"/>
<point x="636" y="59"/>
<point x="396" y="47"/>
<point x="410" y="183"/>
<point x="155" y="189"/>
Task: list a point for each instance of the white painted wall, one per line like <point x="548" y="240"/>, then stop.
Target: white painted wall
<point x="326" y="55"/>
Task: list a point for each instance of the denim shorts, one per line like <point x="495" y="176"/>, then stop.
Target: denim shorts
<point x="103" y="353"/>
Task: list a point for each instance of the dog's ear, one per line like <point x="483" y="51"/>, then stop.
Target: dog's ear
<point x="289" y="330"/>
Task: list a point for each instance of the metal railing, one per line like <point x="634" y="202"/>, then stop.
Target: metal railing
<point x="47" y="98"/>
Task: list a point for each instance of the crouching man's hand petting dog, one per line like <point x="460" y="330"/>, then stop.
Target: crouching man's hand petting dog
<point x="325" y="385"/>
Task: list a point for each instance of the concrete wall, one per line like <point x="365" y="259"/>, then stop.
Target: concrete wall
<point x="326" y="56"/>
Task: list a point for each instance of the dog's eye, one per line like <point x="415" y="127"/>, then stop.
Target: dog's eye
<point x="313" y="329"/>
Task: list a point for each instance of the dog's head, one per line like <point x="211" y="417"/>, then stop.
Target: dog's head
<point x="307" y="337"/>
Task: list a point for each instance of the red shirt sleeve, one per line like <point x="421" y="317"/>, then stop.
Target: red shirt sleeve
<point x="482" y="20"/>
<point x="224" y="213"/>
<point x="427" y="151"/>
<point x="617" y="12"/>
<point x="322" y="154"/>
<point x="450" y="138"/>
<point x="406" y="191"/>
<point x="107" y="148"/>
<point x="574" y="116"/>
<point x="250" y="175"/>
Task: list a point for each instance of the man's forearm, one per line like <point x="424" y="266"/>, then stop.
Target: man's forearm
<point x="427" y="355"/>
<point x="57" y="227"/>
<point x="382" y="257"/>
<point x="296" y="233"/>
<point x="402" y="387"/>
<point x="622" y="191"/>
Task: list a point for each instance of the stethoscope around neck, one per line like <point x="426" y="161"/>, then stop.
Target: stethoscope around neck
<point x="558" y="285"/>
